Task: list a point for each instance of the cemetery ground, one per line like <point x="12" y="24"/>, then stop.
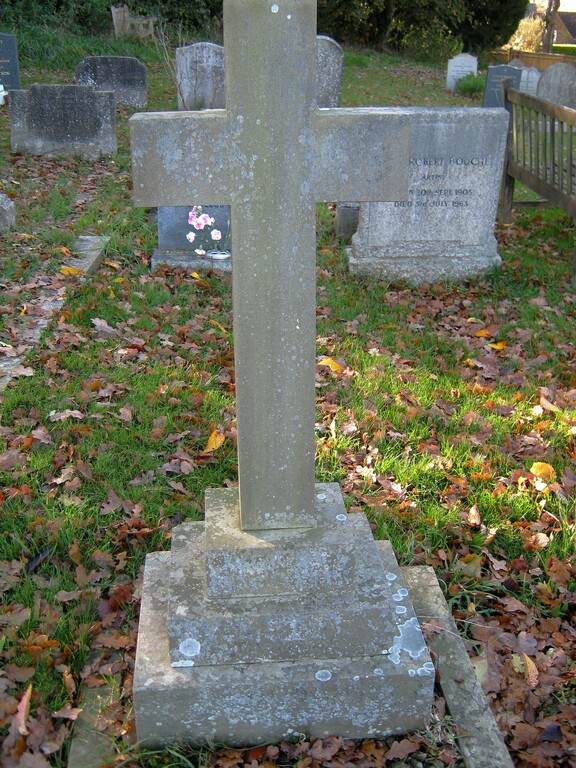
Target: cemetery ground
<point x="447" y="413"/>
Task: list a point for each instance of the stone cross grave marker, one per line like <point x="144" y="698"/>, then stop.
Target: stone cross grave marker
<point x="9" y="70"/>
<point x="281" y="614"/>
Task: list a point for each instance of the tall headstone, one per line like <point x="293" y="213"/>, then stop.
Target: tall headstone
<point x="280" y="614"/>
<point x="124" y="75"/>
<point x="445" y="230"/>
<point x="200" y="85"/>
<point x="458" y="67"/>
<point x="63" y="120"/>
<point x="9" y="69"/>
<point x="529" y="80"/>
<point x="329" y="69"/>
<point x="494" y="92"/>
<point x="558" y="84"/>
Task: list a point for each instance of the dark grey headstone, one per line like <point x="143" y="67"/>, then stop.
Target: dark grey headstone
<point x="493" y="92"/>
<point x="180" y="243"/>
<point x="124" y="75"/>
<point x="9" y="70"/>
<point x="63" y="120"/>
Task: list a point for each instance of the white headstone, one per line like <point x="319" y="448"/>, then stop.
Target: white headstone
<point x="458" y="67"/>
<point x="529" y="80"/>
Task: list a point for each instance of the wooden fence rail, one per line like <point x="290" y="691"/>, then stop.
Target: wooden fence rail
<point x="541" y="148"/>
<point x="541" y="152"/>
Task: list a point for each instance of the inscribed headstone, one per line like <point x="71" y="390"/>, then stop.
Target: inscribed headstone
<point x="558" y="84"/>
<point x="529" y="80"/>
<point x="63" y="120"/>
<point x="280" y="614"/>
<point x="200" y="85"/>
<point x="7" y="213"/>
<point x="124" y="75"/>
<point x="9" y="69"/>
<point x="445" y="231"/>
<point x="458" y="67"/>
<point x="493" y="92"/>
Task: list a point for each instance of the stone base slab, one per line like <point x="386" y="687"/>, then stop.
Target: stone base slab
<point x="245" y="704"/>
<point x="417" y="263"/>
<point x="189" y="262"/>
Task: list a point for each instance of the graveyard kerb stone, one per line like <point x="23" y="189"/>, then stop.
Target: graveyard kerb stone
<point x="280" y="614"/>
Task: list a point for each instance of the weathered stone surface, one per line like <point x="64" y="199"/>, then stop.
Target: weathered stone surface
<point x="9" y="69"/>
<point x="493" y="92"/>
<point x="446" y="229"/>
<point x="330" y="65"/>
<point x="458" y="67"/>
<point x="200" y="76"/>
<point x="529" y="80"/>
<point x="124" y="75"/>
<point x="377" y="694"/>
<point x="479" y="738"/>
<point x="63" y="120"/>
<point x="558" y="84"/>
<point x="7" y="213"/>
<point x="325" y="621"/>
<point x="271" y="154"/>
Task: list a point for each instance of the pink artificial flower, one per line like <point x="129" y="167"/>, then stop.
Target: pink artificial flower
<point x="190" y="237"/>
<point x="216" y="234"/>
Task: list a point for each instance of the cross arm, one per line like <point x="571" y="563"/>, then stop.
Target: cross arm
<point x="361" y="154"/>
<point x="180" y="157"/>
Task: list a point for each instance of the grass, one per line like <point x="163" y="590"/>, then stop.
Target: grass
<point x="420" y="421"/>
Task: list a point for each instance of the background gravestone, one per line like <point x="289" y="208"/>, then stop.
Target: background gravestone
<point x="330" y="65"/>
<point x="529" y="80"/>
<point x="9" y="69"/>
<point x="558" y="84"/>
<point x="493" y="92"/>
<point x="200" y="76"/>
<point x="445" y="231"/>
<point x="63" y="120"/>
<point x="124" y="75"/>
<point x="7" y="213"/>
<point x="458" y="67"/>
<point x="200" y="85"/>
